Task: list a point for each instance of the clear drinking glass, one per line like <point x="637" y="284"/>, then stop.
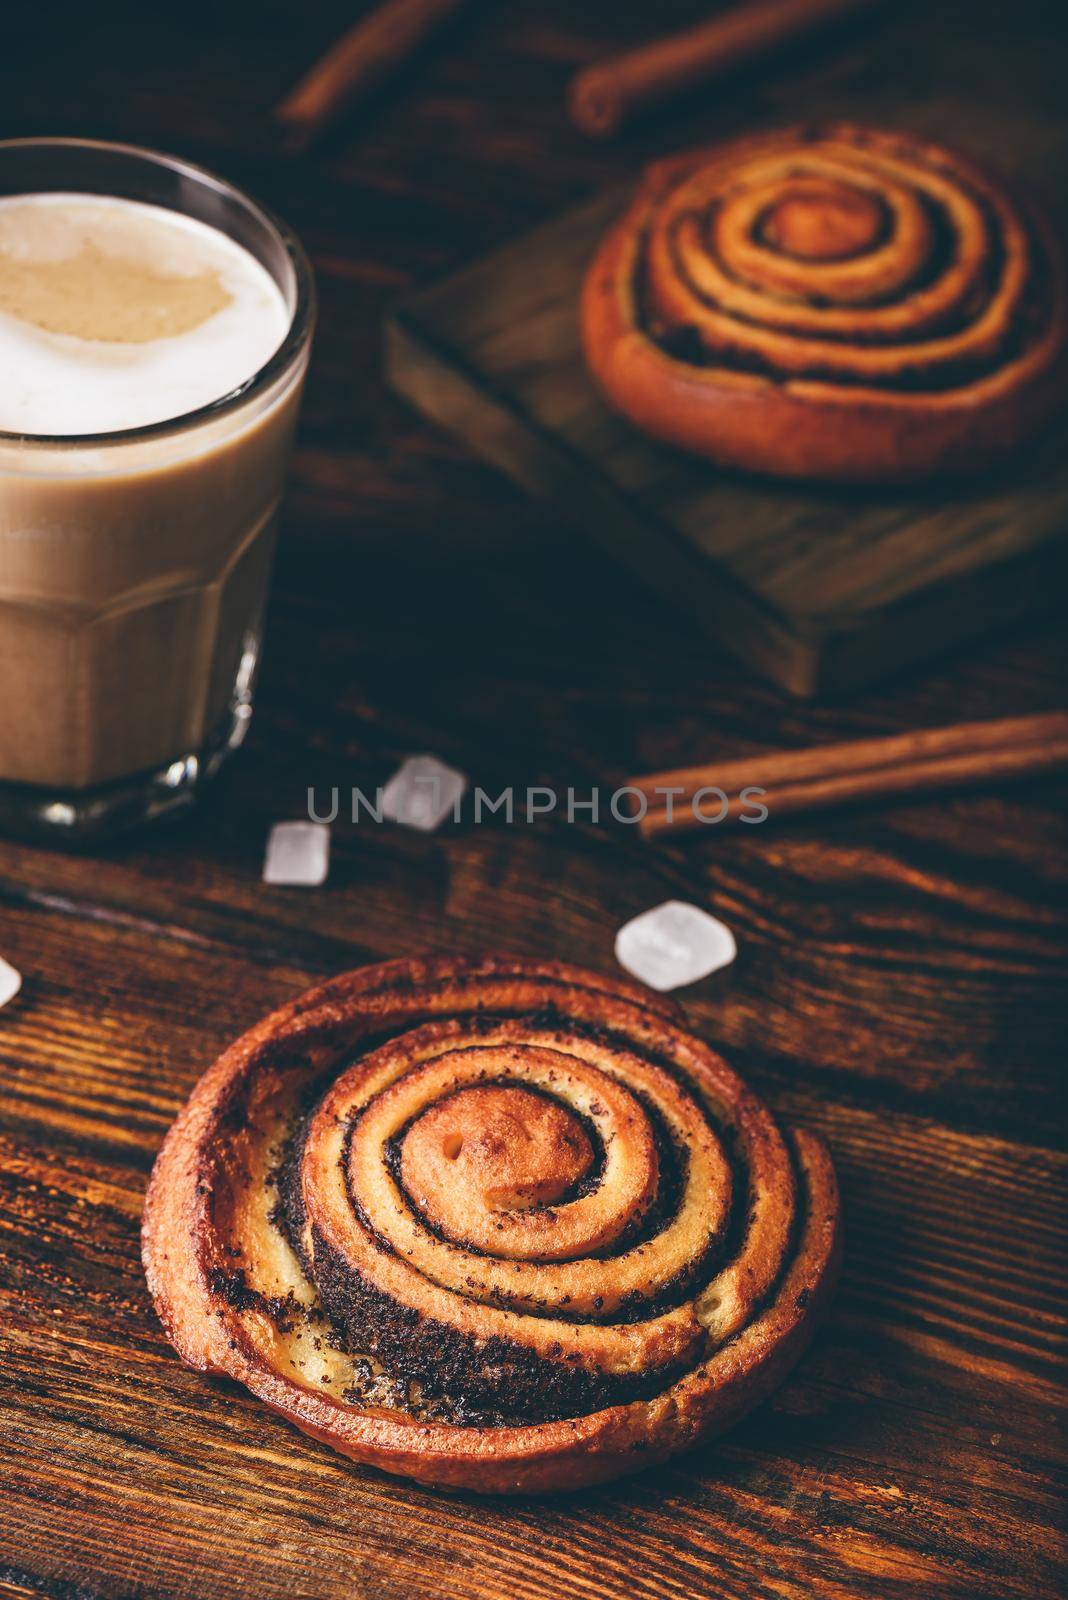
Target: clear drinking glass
<point x="134" y="565"/>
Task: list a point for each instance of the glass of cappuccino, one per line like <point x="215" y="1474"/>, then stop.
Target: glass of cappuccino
<point x="154" y="333"/>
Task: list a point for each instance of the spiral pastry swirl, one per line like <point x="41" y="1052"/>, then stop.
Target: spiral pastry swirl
<point x="830" y="302"/>
<point x="498" y="1224"/>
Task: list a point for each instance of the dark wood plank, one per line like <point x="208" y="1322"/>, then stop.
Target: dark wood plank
<point x="934" y="1385"/>
<point x="822" y="590"/>
<point x="911" y="920"/>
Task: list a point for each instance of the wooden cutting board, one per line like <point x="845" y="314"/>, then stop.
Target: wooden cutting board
<point x="821" y="590"/>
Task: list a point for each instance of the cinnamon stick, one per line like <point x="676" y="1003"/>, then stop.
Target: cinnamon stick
<point x="865" y="769"/>
<point x="360" y="61"/>
<point x="605" y="96"/>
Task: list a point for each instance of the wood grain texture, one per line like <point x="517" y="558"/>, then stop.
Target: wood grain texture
<point x="902" y="975"/>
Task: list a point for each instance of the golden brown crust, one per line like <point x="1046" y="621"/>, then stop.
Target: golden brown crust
<point x="635" y="1306"/>
<point x="831" y="302"/>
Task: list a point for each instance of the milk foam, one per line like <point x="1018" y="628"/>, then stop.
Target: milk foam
<point x="115" y="314"/>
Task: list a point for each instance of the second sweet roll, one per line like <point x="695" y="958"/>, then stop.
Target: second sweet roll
<point x="533" y="1220"/>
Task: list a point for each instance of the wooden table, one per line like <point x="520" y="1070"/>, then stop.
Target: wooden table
<point x="900" y="983"/>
